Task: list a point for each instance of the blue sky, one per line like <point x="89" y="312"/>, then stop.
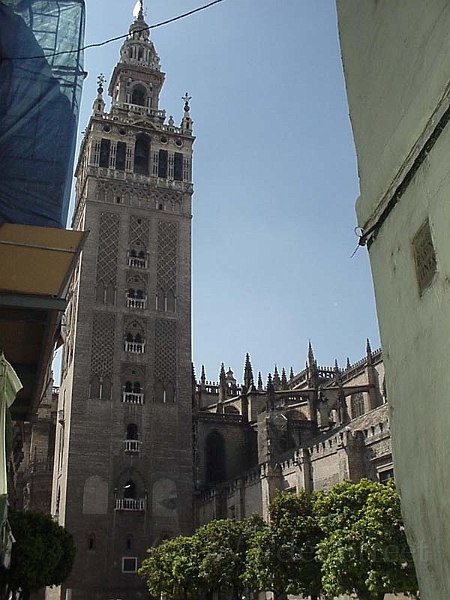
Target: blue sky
<point x="275" y="176"/>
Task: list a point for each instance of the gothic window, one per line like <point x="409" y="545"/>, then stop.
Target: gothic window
<point x="95" y="387"/>
<point x="129" y="337"/>
<point x="357" y="404"/>
<point x="141" y="155"/>
<point x="170" y="301"/>
<point x="105" y="148"/>
<point x="138" y="96"/>
<point x="215" y="458"/>
<point x="159" y="392"/>
<point x="100" y="293"/>
<point x="170" y="393"/>
<point x="160" y="300"/>
<point x="106" y="388"/>
<point x="136" y="387"/>
<point x="178" y="166"/>
<point x="121" y="156"/>
<point x="162" y="164"/>
<point x="129" y="541"/>
<point x="132" y="431"/>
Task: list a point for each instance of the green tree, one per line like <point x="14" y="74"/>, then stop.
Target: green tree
<point x="224" y="545"/>
<point x="364" y="550"/>
<point x="173" y="568"/>
<point x="42" y="555"/>
<point x="282" y="557"/>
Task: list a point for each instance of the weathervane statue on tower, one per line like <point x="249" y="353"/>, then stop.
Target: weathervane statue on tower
<point x="138" y="10"/>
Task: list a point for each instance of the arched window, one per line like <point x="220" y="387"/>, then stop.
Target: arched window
<point x="138" y="96"/>
<point x="159" y="392"/>
<point x="138" y="338"/>
<point x="129" y="541"/>
<point x="162" y="164"/>
<point x="129" y="489"/>
<point x="106" y="388"/>
<point x="178" y="166"/>
<point x="160" y="300"/>
<point x="357" y="404"/>
<point x="121" y="153"/>
<point x="136" y="387"/>
<point x="105" y="149"/>
<point x="131" y="293"/>
<point x="132" y="431"/>
<point x="133" y="253"/>
<point x="100" y="293"/>
<point x="91" y="542"/>
<point x="215" y="458"/>
<point x="140" y="294"/>
<point x="95" y="387"/>
<point x="170" y="393"/>
<point x="129" y="337"/>
<point x="128" y="386"/>
<point x="110" y="294"/>
<point x="170" y="301"/>
<point x="141" y="154"/>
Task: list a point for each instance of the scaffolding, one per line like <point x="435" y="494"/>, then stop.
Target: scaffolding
<point x="41" y="77"/>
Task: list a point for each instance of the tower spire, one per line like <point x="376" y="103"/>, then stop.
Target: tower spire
<point x="248" y="373"/>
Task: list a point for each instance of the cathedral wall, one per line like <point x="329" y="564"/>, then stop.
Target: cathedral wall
<point x="236" y="437"/>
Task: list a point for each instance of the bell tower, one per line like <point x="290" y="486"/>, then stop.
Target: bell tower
<point x="123" y="470"/>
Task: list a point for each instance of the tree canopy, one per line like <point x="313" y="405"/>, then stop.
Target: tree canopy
<point x="349" y="540"/>
<point x="42" y="555"/>
<point x="282" y="556"/>
<point x="364" y="548"/>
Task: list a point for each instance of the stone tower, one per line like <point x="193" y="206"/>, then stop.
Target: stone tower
<point x="123" y="468"/>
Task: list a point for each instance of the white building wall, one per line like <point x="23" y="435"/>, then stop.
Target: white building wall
<point x="397" y="66"/>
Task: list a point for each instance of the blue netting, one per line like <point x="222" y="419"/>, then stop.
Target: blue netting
<point x="40" y="92"/>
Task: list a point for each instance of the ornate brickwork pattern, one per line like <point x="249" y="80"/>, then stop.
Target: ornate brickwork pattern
<point x="102" y="357"/>
<point x="139" y="229"/>
<point x="167" y="255"/>
<point x="108" y="248"/>
<point x="165" y="350"/>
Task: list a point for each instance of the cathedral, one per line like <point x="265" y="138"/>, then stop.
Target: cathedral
<point x="144" y="450"/>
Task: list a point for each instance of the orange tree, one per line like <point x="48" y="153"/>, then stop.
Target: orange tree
<point x="364" y="549"/>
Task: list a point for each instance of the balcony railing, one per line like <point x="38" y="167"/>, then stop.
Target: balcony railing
<point x="135" y="347"/>
<point x="130" y="504"/>
<point x="132" y="446"/>
<point x="137" y="263"/>
<point x="133" y="398"/>
<point x="139" y="303"/>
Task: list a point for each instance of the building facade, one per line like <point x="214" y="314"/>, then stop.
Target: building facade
<point x="397" y="63"/>
<point x="307" y="431"/>
<point x="123" y="456"/>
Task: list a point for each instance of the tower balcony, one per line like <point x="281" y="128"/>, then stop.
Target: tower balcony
<point x="131" y="504"/>
<point x="137" y="109"/>
<point x="132" y="446"/>
<point x="135" y="347"/>
<point x="133" y="398"/>
<point x="137" y="263"/>
<point x="139" y="303"/>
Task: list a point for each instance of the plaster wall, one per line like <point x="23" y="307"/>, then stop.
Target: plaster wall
<point x="396" y="59"/>
<point x="416" y="344"/>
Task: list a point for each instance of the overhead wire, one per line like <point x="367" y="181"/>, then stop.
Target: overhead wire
<point x="118" y="37"/>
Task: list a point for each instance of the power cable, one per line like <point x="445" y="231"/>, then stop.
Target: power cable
<point x="119" y="37"/>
